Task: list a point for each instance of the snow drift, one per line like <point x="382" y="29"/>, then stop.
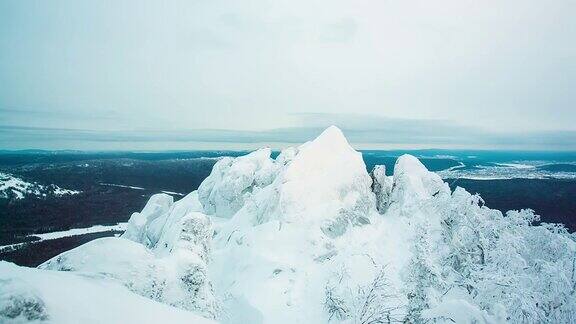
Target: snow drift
<point x="312" y="237"/>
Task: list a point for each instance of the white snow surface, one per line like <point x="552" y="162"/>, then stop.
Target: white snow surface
<point x="14" y="187"/>
<point x="38" y="296"/>
<point x="312" y="237"/>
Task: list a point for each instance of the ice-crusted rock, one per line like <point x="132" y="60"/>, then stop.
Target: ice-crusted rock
<point x="327" y="171"/>
<point x="163" y="255"/>
<point x="382" y="187"/>
<point x="323" y="181"/>
<point x="163" y="226"/>
<point x="231" y="180"/>
<point x="413" y="182"/>
<point x="156" y="206"/>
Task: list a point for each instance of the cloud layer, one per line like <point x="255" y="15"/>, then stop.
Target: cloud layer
<point x="361" y="130"/>
<point x="455" y="72"/>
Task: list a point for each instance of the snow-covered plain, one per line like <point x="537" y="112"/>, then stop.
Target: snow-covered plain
<point x="120" y="227"/>
<point x="310" y="237"/>
<point x="121" y="186"/>
<point x="172" y="193"/>
<point x="81" y="231"/>
<point x="502" y="171"/>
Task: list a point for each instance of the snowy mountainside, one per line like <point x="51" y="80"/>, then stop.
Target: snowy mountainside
<point x="311" y="237"/>
<point x="12" y="187"/>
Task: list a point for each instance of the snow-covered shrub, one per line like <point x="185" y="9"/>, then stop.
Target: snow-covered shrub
<point x="20" y="303"/>
<point x="375" y="303"/>
<point x="370" y="303"/>
<point x="335" y="304"/>
<point x="423" y="275"/>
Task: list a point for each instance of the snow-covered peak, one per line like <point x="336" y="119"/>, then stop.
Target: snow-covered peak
<point x="331" y="138"/>
<point x="328" y="152"/>
<point x="325" y="171"/>
<point x="320" y="181"/>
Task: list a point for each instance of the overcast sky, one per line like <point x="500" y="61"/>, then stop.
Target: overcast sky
<point x="213" y="74"/>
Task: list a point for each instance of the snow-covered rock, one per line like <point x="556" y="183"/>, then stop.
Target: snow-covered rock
<point x="274" y="256"/>
<point x="139" y="223"/>
<point x="413" y="182"/>
<point x="322" y="181"/>
<point x="163" y="255"/>
<point x="382" y="187"/>
<point x="40" y="296"/>
<point x="311" y="237"/>
<point x="232" y="180"/>
<point x="326" y="172"/>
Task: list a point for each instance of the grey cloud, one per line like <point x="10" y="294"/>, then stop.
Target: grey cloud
<point x="364" y="131"/>
<point x="377" y="129"/>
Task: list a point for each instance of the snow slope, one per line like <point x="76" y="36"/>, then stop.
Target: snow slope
<point x="311" y="237"/>
<point x="38" y="296"/>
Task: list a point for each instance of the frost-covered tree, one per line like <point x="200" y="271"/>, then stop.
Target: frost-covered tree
<point x="423" y="276"/>
<point x="503" y="262"/>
